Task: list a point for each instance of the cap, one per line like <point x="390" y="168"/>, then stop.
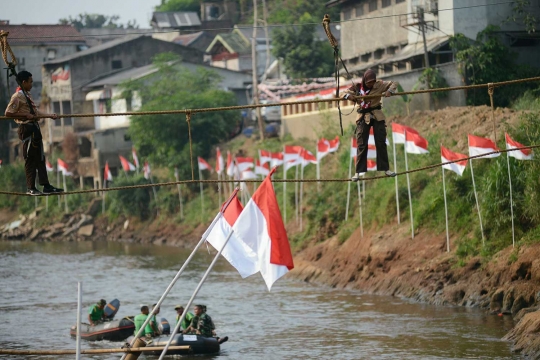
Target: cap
<point x="178" y="307"/>
<point x="102" y="302"/>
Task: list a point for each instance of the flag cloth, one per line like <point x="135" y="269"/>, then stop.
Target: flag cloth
<point x="48" y="165"/>
<point x="260" y="227"/>
<point x="203" y="165"/>
<point x="219" y="162"/>
<point x="306" y="158"/>
<point x="416" y="144"/>
<point x="479" y="146"/>
<point x="248" y="175"/>
<point x="291" y="153"/>
<point x="398" y="133"/>
<point x="237" y="253"/>
<point x="354" y="146"/>
<point x="135" y="158"/>
<point x="146" y="170"/>
<point x="245" y="163"/>
<point x="457" y="167"/>
<point x="63" y="167"/>
<point x="371" y="138"/>
<point x="265" y="157"/>
<point x="230" y="164"/>
<point x="334" y="144"/>
<point x="277" y="159"/>
<point x="262" y="169"/>
<point x="524" y="154"/>
<point x="107" y="176"/>
<point x="371" y="165"/>
<point x="126" y="165"/>
<point x="323" y="148"/>
<point x="371" y="152"/>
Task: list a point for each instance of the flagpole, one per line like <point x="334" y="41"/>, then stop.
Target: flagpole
<point x="65" y="189"/>
<point x="154" y="191"/>
<point x="296" y="194"/>
<point x="409" y="186"/>
<point x="364" y="188"/>
<point x="205" y="276"/>
<point x="219" y="187"/>
<point x="396" y="180"/>
<point x="445" y="211"/>
<point x="348" y="189"/>
<point x="511" y="201"/>
<point x="58" y="182"/>
<point x="284" y="187"/>
<point x="202" y="196"/>
<point x="477" y="205"/>
<point x="301" y="195"/>
<point x="318" y="170"/>
<point x="104" y="186"/>
<point x="360" y="210"/>
<point x="179" y="193"/>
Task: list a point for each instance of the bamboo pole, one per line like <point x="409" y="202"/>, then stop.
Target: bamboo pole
<point x="90" y="351"/>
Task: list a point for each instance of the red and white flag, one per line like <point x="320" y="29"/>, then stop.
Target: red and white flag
<point x="371" y="139"/>
<point x="245" y="163"/>
<point x="48" y="166"/>
<point x="479" y="145"/>
<point x="416" y="144"/>
<point x="63" y="167"/>
<point x="523" y="154"/>
<point x="126" y="165"/>
<point x="371" y="151"/>
<point x="230" y="165"/>
<point x="398" y="133"/>
<point x="265" y="156"/>
<point x="261" y="228"/>
<point x="354" y="147"/>
<point x="334" y="144"/>
<point x="371" y="165"/>
<point x="277" y="159"/>
<point x="262" y="169"/>
<point x="146" y="170"/>
<point x="457" y="167"/>
<point x="203" y="165"/>
<point x="306" y="158"/>
<point x="135" y="158"/>
<point x="107" y="176"/>
<point x="248" y="174"/>
<point x="291" y="153"/>
<point x="323" y="148"/>
<point x="237" y="253"/>
<point x="219" y="162"/>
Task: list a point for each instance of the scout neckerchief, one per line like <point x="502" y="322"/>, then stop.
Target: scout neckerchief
<point x="363" y="92"/>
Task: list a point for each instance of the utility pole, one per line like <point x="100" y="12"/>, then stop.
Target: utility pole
<point x="255" y="89"/>
<point x="422" y="25"/>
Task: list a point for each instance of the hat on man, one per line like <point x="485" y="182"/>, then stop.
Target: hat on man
<point x="102" y="302"/>
<point x="178" y="307"/>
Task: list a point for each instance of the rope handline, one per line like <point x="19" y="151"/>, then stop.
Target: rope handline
<point x="240" y="107"/>
<point x="131" y="187"/>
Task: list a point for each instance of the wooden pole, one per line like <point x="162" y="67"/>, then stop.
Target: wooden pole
<point x="89" y="351"/>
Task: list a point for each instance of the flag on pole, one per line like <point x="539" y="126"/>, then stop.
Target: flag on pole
<point x="237" y="253"/>
<point x="203" y="165"/>
<point x="135" y="158"/>
<point x="261" y="228"/>
<point x="219" y="162"/>
<point x="230" y="165"/>
<point x="371" y="138"/>
<point x="277" y="159"/>
<point x="262" y="169"/>
<point x="107" y="176"/>
<point x="248" y="175"/>
<point x="334" y="144"/>
<point x="354" y="146"/>
<point x="48" y="165"/>
<point x="146" y="170"/>
<point x="371" y="152"/>
<point x="398" y="133"/>
<point x="265" y="157"/>
<point x="457" y="167"/>
<point x="523" y="154"/>
<point x="306" y="158"/>
<point x="371" y="165"/>
<point x="416" y="144"/>
<point x="323" y="148"/>
<point x="291" y="153"/>
<point x="480" y="145"/>
<point x="126" y="165"/>
<point x="245" y="163"/>
<point x="63" y="167"/>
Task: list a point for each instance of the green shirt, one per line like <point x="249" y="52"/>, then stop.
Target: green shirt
<point x="95" y="313"/>
<point x="139" y="321"/>
<point x="187" y="320"/>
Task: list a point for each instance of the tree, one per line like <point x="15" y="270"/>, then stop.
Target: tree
<point x="522" y="12"/>
<point x="288" y="12"/>
<point x="179" y="5"/>
<point x="303" y="55"/>
<point x="164" y="138"/>
<point x="97" y="21"/>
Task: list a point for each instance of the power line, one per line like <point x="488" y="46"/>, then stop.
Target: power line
<point x="258" y="27"/>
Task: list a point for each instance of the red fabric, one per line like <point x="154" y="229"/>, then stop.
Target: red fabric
<point x="516" y="144"/>
<point x="480" y="142"/>
<point x="417" y="140"/>
<point x="233" y="210"/>
<point x="451" y="156"/>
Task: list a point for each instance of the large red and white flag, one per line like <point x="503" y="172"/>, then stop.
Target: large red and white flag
<point x="371" y="151"/>
<point x="523" y="154"/>
<point x="354" y="147"/>
<point x="261" y="228"/>
<point x="457" y="167"/>
<point x="479" y="145"/>
<point x="230" y="165"/>
<point x="371" y="138"/>
<point x="292" y="153"/>
<point x="126" y="165"/>
<point x="334" y="144"/>
<point x="135" y="157"/>
<point x="248" y="174"/>
<point x="277" y="159"/>
<point x="371" y="165"/>
<point x="416" y="144"/>
<point x="245" y="163"/>
<point x="237" y="253"/>
<point x="63" y="167"/>
<point x="203" y="165"/>
<point x="49" y="166"/>
<point x="146" y="170"/>
<point x="398" y="133"/>
<point x="219" y="162"/>
<point x="262" y="169"/>
<point x="107" y="176"/>
<point x="323" y="148"/>
<point x="306" y="158"/>
<point x="265" y="156"/>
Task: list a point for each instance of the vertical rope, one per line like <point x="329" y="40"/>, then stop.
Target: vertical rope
<point x="188" y="119"/>
<point x="491" y="89"/>
<point x="4" y="46"/>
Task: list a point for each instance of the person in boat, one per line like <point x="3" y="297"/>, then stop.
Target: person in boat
<point x="153" y="323"/>
<point x="139" y="321"/>
<point x="202" y="323"/>
<point x="96" y="313"/>
<point x="370" y="115"/>
<point x="187" y="319"/>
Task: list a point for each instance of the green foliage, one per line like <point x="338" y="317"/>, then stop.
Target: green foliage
<point x="530" y="101"/>
<point x="304" y="56"/>
<point x="434" y="79"/>
<point x="134" y="202"/>
<point x="521" y="13"/>
<point x="179" y="5"/>
<point x="163" y="139"/>
<point x="288" y="12"/>
<point x="97" y="21"/>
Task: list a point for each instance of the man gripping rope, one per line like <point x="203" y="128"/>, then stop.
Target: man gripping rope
<point x="23" y="110"/>
<point x="370" y="115"/>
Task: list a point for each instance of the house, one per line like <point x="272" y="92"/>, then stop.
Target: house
<point x="198" y="40"/>
<point x="176" y="20"/>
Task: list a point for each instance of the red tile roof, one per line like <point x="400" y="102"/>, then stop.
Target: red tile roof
<point x="42" y="34"/>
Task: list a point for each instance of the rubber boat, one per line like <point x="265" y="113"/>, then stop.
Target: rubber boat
<point x="198" y="344"/>
<point x="114" y="330"/>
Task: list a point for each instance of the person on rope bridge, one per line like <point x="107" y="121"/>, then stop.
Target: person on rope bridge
<point x="370" y="115"/>
<point x="96" y="313"/>
<point x="23" y="110"/>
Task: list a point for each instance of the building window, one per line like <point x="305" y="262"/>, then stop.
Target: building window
<point x="378" y="54"/>
<point x="347" y="14"/>
<point x="116" y="64"/>
<point x="56" y="110"/>
<point x="388" y="68"/>
<point x="359" y="10"/>
<point x="391" y="50"/>
<point x="51" y="54"/>
<point x="66" y="109"/>
<point x="127" y="137"/>
<point x="366" y="57"/>
<point x="373" y="5"/>
<point x="386" y="3"/>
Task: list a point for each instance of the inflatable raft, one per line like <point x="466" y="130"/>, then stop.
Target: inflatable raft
<point x="115" y="330"/>
<point x="198" y="344"/>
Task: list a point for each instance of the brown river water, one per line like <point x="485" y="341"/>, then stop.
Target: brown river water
<point x="38" y="303"/>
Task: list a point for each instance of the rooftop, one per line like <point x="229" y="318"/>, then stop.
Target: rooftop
<point x="177" y="19"/>
<point x="42" y="34"/>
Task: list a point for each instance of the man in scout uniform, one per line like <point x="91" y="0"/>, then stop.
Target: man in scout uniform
<point x="187" y="319"/>
<point x="139" y="321"/>
<point x="96" y="313"/>
<point x="370" y="115"/>
<point x="25" y="113"/>
<point x="153" y="322"/>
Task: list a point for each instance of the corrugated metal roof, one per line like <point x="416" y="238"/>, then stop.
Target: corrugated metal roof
<point x="178" y="19"/>
<point x="42" y="34"/>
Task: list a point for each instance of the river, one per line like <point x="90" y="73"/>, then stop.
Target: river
<point x="38" y="303"/>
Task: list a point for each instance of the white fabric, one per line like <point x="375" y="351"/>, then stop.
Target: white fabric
<point x="518" y="154"/>
<point x="473" y="151"/>
<point x="455" y="167"/>
<point x="398" y="138"/>
<point x="412" y="148"/>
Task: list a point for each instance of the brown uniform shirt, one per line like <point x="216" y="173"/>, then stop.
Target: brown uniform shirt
<point x="19" y="105"/>
<point x="379" y="88"/>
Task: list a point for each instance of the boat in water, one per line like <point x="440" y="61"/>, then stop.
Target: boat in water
<point x="115" y="330"/>
<point x="198" y="344"/>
